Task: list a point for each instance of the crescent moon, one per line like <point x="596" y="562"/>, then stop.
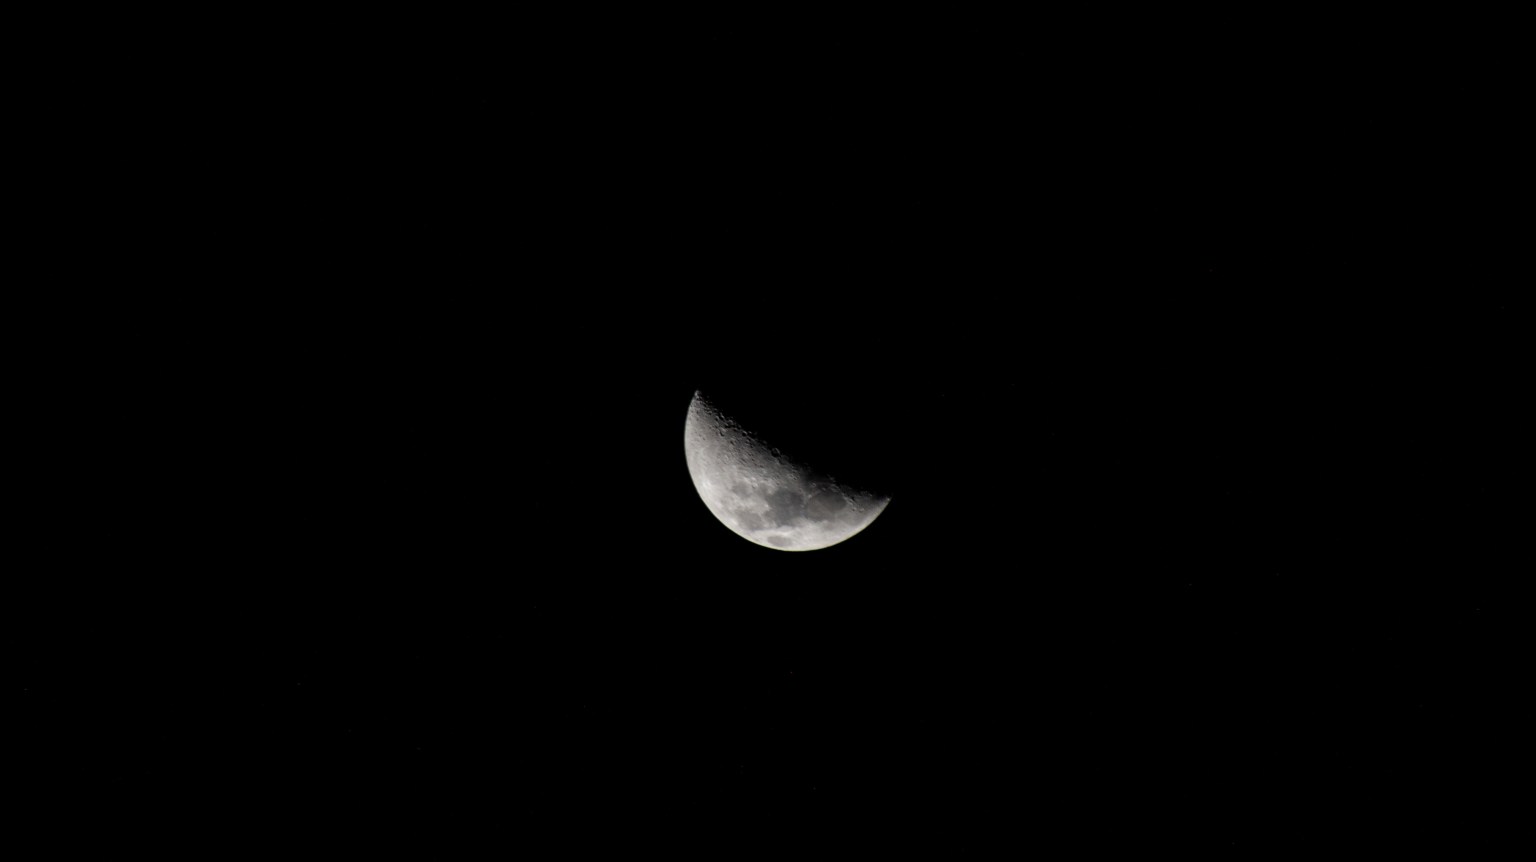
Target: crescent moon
<point x="763" y="496"/>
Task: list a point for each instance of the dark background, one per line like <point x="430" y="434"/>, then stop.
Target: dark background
<point x="372" y="508"/>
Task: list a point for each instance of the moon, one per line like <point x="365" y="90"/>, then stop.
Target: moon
<point x="763" y="495"/>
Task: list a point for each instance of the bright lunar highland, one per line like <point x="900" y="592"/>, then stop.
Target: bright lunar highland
<point x="762" y="495"/>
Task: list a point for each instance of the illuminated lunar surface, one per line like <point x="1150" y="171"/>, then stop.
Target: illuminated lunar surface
<point x="762" y="495"/>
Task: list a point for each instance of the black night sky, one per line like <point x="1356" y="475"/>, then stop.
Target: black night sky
<point x="1194" y="507"/>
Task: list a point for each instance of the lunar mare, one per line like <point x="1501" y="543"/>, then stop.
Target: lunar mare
<point x="763" y="496"/>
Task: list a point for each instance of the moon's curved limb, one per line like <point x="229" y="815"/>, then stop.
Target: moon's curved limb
<point x="763" y="496"/>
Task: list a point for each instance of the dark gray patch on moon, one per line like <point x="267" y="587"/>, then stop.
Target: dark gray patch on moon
<point x="785" y="506"/>
<point x="778" y="541"/>
<point x="750" y="520"/>
<point x="825" y="505"/>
